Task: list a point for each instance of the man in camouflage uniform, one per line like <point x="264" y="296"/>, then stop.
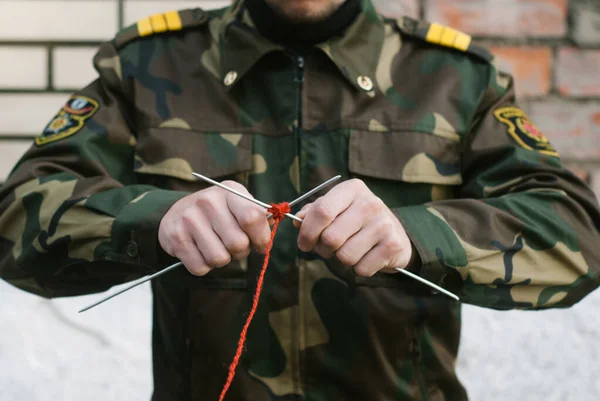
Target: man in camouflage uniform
<point x="443" y="174"/>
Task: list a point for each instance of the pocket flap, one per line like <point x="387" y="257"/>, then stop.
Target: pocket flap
<point x="405" y="156"/>
<point x="177" y="153"/>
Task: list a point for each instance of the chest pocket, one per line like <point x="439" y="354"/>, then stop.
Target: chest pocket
<point x="406" y="168"/>
<point x="172" y="154"/>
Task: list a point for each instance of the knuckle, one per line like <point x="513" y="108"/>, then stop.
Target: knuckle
<point x="207" y="202"/>
<point x="346" y="257"/>
<point x="373" y="205"/>
<point x="262" y="242"/>
<point x="304" y="239"/>
<point x="363" y="271"/>
<point x="392" y="247"/>
<point x="188" y="219"/>
<point x="199" y="269"/>
<point x="219" y="259"/>
<point x="241" y="255"/>
<point x="384" y="225"/>
<point x="180" y="243"/>
<point x="249" y="218"/>
<point x="239" y="245"/>
<point x="331" y="239"/>
<point x="322" y="212"/>
<point x="357" y="183"/>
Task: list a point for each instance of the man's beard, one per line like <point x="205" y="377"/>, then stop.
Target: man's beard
<point x="297" y="15"/>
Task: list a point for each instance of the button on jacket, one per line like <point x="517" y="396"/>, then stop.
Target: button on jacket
<point x="414" y="110"/>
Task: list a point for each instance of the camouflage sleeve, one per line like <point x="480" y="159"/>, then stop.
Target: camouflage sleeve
<point x="524" y="231"/>
<point x="73" y="220"/>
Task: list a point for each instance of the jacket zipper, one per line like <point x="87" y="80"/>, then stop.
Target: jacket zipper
<point x="300" y="81"/>
<point x="298" y="373"/>
<point x="416" y="359"/>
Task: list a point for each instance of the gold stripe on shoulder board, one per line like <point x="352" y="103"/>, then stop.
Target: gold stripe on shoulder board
<point x="157" y="23"/>
<point x="449" y="37"/>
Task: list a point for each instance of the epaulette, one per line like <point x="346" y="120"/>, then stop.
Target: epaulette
<point x="171" y="21"/>
<point x="442" y="35"/>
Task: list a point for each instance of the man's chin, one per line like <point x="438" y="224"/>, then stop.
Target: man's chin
<point x="303" y="12"/>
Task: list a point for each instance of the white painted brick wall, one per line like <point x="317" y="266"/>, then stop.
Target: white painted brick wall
<point x="49" y="352"/>
<point x="24" y="67"/>
<point x="73" y="67"/>
<point x="137" y="9"/>
<point x="27" y="113"/>
<point x="69" y="20"/>
<point x="10" y="152"/>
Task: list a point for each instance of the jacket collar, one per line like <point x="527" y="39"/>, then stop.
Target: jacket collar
<point x="356" y="53"/>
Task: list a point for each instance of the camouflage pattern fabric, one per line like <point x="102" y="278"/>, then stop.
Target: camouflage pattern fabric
<point x="418" y="113"/>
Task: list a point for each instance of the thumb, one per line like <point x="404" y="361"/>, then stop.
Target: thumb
<point x="302" y="213"/>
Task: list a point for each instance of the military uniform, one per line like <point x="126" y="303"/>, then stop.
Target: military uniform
<point x="415" y="110"/>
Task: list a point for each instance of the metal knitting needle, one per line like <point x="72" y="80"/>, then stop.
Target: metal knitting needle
<point x="225" y="187"/>
<point x="142" y="281"/>
<point x="295" y="201"/>
<point x="311" y="192"/>
<point x="173" y="266"/>
<point x="429" y="283"/>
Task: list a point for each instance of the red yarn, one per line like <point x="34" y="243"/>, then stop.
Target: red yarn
<point x="278" y="211"/>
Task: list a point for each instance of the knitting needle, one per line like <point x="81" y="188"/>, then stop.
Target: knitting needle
<point x="225" y="187"/>
<point x="173" y="266"/>
<point x="311" y="192"/>
<point x="142" y="281"/>
<point x="295" y="201"/>
<point x="407" y="273"/>
<point x="429" y="283"/>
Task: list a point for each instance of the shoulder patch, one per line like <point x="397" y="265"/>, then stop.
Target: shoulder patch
<point x="523" y="131"/>
<point x="442" y="36"/>
<point x="171" y="21"/>
<point x="69" y="120"/>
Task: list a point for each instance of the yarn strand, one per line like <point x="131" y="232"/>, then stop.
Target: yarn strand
<point x="278" y="211"/>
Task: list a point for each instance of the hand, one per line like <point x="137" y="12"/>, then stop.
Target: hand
<point x="209" y="228"/>
<point x="353" y="224"/>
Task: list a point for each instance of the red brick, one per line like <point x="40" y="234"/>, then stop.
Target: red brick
<point x="395" y="9"/>
<point x="531" y="68"/>
<point x="506" y="18"/>
<point x="578" y="72"/>
<point x="573" y="128"/>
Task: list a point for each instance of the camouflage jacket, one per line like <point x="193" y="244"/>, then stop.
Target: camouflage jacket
<point x="415" y="110"/>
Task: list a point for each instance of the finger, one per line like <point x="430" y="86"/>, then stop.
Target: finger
<point x="387" y="253"/>
<point x="208" y="242"/>
<point x="251" y="219"/>
<point x="340" y="230"/>
<point x="358" y="245"/>
<point x="370" y="263"/>
<point x="322" y="213"/>
<point x="187" y="251"/>
<point x="231" y="235"/>
<point x="301" y="214"/>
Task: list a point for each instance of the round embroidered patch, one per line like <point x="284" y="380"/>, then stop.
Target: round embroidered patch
<point x="69" y="120"/>
<point x="523" y="131"/>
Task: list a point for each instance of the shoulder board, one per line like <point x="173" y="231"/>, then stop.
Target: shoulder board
<point x="171" y="21"/>
<point x="442" y="35"/>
